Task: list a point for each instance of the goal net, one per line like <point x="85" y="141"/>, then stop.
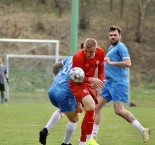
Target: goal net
<point x="30" y="76"/>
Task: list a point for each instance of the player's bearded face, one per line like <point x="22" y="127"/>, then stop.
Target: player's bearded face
<point x="114" y="37"/>
<point x="89" y="52"/>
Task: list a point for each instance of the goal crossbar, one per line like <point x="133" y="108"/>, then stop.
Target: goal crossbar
<point x="56" y="42"/>
<point x="28" y="40"/>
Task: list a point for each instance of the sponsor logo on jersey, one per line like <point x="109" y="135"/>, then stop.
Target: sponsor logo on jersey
<point x="85" y="91"/>
<point x="97" y="62"/>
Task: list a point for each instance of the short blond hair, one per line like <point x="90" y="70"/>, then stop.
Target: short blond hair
<point x="90" y="42"/>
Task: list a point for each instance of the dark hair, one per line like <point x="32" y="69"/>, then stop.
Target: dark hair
<point x="114" y="28"/>
<point x="82" y="45"/>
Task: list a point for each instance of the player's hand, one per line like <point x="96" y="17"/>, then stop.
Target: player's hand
<point x="97" y="82"/>
<point x="79" y="107"/>
<point x="7" y="79"/>
<point x="107" y="60"/>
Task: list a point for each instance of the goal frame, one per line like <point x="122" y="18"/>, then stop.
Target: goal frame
<point x="8" y="56"/>
<point x="35" y="41"/>
<point x="7" y="40"/>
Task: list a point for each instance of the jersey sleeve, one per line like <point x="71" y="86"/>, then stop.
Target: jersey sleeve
<point x="101" y="65"/>
<point x="64" y="61"/>
<point x="123" y="52"/>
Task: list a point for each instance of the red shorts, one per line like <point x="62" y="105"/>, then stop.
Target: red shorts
<point x="80" y="90"/>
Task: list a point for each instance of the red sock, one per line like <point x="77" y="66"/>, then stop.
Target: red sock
<point x="83" y="132"/>
<point x="87" y="124"/>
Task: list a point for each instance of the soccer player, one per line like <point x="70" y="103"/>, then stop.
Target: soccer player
<point x="62" y="98"/>
<point x="117" y="60"/>
<point x="3" y="76"/>
<point x="89" y="59"/>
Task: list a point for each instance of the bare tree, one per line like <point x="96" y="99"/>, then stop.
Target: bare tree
<point x="83" y="14"/>
<point x="142" y="5"/>
<point x="42" y="1"/>
<point x="121" y="8"/>
<point x="111" y="4"/>
<point x="59" y="4"/>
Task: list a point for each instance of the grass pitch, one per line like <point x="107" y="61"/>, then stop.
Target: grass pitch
<point x="20" y="124"/>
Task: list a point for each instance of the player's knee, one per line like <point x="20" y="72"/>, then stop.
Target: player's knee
<point x="89" y="103"/>
<point x="91" y="108"/>
<point x="118" y="112"/>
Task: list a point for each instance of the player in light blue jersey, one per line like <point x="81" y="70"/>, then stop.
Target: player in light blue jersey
<point x="117" y="60"/>
<point x="62" y="98"/>
<point x="59" y="92"/>
<point x="117" y="53"/>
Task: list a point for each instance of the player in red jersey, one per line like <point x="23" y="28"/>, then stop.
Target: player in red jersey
<point x="89" y="59"/>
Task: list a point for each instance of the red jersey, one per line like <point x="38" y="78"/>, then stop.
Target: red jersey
<point x="89" y="66"/>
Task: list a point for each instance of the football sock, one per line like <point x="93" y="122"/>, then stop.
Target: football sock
<point x="70" y="128"/>
<point x="89" y="136"/>
<point x="82" y="143"/>
<point x="89" y="121"/>
<point x="95" y="130"/>
<point x="83" y="132"/>
<point x="56" y="116"/>
<point x="137" y="125"/>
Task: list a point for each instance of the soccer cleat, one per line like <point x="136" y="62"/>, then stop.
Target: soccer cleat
<point x="145" y="135"/>
<point x="91" y="141"/>
<point x="42" y="136"/>
<point x="66" y="144"/>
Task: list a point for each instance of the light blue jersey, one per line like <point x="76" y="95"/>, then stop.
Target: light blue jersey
<point x="116" y="53"/>
<point x="116" y="80"/>
<point x="59" y="92"/>
<point x="62" y="78"/>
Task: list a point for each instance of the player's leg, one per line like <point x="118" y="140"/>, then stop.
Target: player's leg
<point x="88" y="121"/>
<point x="71" y="110"/>
<point x="70" y="127"/>
<point x="56" y="116"/>
<point x="89" y="106"/>
<point x="119" y="98"/>
<point x="104" y="98"/>
<point x="98" y="110"/>
<point x="127" y="115"/>
<point x="2" y="92"/>
<point x="2" y="96"/>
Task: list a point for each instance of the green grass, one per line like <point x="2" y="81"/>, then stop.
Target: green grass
<point x="143" y="95"/>
<point x="21" y="122"/>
